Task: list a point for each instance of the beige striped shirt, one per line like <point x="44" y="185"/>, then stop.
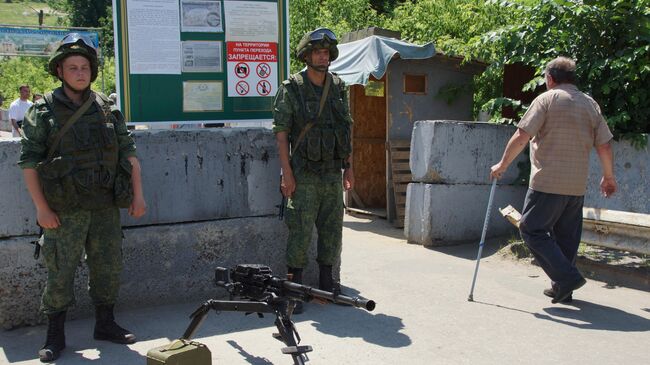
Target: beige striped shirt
<point x="565" y="124"/>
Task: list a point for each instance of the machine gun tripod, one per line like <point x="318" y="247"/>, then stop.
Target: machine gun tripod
<point x="265" y="293"/>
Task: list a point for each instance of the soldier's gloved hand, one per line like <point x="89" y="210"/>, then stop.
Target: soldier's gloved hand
<point x="47" y="218"/>
<point x="138" y="207"/>
<point x="288" y="184"/>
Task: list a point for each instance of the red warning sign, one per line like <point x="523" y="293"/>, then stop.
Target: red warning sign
<point x="263" y="70"/>
<point x="252" y="52"/>
<point x="256" y="63"/>
<point x="242" y="88"/>
<point x="242" y="70"/>
<point x="264" y="88"/>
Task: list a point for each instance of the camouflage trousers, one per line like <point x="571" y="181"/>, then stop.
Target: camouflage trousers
<point x="99" y="234"/>
<point x="319" y="204"/>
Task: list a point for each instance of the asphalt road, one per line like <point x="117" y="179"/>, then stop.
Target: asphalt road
<point x="422" y="316"/>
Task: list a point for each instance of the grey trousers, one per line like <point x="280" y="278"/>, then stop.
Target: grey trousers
<point x="551" y="226"/>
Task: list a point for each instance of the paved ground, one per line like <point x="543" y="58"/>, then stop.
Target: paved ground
<point x="422" y="316"/>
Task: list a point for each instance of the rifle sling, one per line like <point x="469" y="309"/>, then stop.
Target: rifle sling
<point x="323" y="98"/>
<point x="73" y="119"/>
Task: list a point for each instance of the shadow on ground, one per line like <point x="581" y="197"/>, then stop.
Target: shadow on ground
<point x="588" y="316"/>
<point x="376" y="226"/>
<point x="469" y="250"/>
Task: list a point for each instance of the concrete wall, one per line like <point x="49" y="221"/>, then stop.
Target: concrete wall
<point x="451" y="160"/>
<point x="444" y="214"/>
<point x="211" y="196"/>
<point x="632" y="170"/>
<point x="454" y="152"/>
<point x="187" y="176"/>
<point x="162" y="264"/>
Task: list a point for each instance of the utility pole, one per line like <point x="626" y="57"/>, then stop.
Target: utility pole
<point x="41" y="16"/>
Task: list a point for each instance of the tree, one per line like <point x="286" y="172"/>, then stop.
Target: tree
<point x="610" y="41"/>
<point x="341" y="16"/>
<point x="25" y="70"/>
<point x="455" y="27"/>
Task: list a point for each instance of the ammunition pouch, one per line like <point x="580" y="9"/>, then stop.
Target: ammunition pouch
<point x="123" y="189"/>
<point x="326" y="144"/>
<point x="343" y="145"/>
<point x="58" y="183"/>
<point x="312" y="145"/>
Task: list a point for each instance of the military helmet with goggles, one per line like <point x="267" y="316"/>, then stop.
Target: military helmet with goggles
<point x="319" y="38"/>
<point x="75" y="44"/>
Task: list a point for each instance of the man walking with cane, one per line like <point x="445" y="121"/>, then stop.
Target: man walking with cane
<point x="562" y="125"/>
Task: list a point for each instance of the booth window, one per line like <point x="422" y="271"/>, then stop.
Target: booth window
<point x="415" y="84"/>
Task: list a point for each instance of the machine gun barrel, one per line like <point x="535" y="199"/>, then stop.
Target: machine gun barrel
<point x="366" y="304"/>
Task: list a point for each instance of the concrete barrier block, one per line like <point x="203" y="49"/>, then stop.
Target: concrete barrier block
<point x="162" y="264"/>
<point x="187" y="176"/>
<point x="438" y="214"/>
<point x="632" y="170"/>
<point x="453" y="152"/>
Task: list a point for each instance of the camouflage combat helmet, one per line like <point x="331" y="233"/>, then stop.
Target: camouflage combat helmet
<point x="319" y="38"/>
<point x="75" y="44"/>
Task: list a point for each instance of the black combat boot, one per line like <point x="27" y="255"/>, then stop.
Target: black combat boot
<point x="55" y="341"/>
<point x="107" y="330"/>
<point x="326" y="282"/>
<point x="295" y="275"/>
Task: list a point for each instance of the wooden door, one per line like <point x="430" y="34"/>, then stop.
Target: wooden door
<point x="368" y="145"/>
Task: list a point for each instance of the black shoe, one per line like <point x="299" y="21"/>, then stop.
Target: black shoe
<point x="107" y="330"/>
<point x="55" y="341"/>
<point x="564" y="290"/>
<point x="550" y="292"/>
<point x="326" y="282"/>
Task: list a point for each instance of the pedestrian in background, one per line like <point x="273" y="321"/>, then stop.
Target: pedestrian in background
<point x="563" y="125"/>
<point x="18" y="108"/>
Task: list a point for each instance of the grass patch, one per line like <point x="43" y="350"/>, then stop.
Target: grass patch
<point x="516" y="248"/>
<point x="26" y="13"/>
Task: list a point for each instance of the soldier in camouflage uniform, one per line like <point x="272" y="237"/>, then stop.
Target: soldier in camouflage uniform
<point x="313" y="136"/>
<point x="78" y="178"/>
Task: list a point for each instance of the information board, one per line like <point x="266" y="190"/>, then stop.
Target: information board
<point x="207" y="61"/>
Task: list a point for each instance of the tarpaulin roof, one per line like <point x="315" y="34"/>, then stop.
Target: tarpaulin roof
<point x="370" y="56"/>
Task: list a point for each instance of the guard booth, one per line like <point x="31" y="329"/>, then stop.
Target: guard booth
<point x="393" y="84"/>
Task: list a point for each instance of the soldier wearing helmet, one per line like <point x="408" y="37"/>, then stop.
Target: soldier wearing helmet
<point x="80" y="167"/>
<point x="312" y="124"/>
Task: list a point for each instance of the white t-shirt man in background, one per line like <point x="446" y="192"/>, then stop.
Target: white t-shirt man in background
<point x="18" y="108"/>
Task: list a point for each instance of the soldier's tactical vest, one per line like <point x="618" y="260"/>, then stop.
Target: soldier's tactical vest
<point x="327" y="143"/>
<point x="82" y="173"/>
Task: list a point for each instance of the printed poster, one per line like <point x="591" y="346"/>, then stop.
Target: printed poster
<point x="252" y="69"/>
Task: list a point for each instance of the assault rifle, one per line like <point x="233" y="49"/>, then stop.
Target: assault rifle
<point x="261" y="292"/>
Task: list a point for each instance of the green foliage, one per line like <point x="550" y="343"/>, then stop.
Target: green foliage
<point x="610" y="41"/>
<point x="106" y="38"/>
<point x="340" y="16"/>
<point x="32" y="71"/>
<point x="25" y="70"/>
<point x="82" y="13"/>
<point x="450" y="24"/>
<point x="455" y="27"/>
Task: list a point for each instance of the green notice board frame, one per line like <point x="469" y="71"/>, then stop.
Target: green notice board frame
<point x="158" y="98"/>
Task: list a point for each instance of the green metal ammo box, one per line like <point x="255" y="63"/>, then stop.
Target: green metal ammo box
<point x="180" y="352"/>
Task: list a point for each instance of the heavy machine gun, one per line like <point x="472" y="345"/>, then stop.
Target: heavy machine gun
<point x="261" y="292"/>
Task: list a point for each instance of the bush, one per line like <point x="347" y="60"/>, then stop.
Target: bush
<point x="610" y="41"/>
